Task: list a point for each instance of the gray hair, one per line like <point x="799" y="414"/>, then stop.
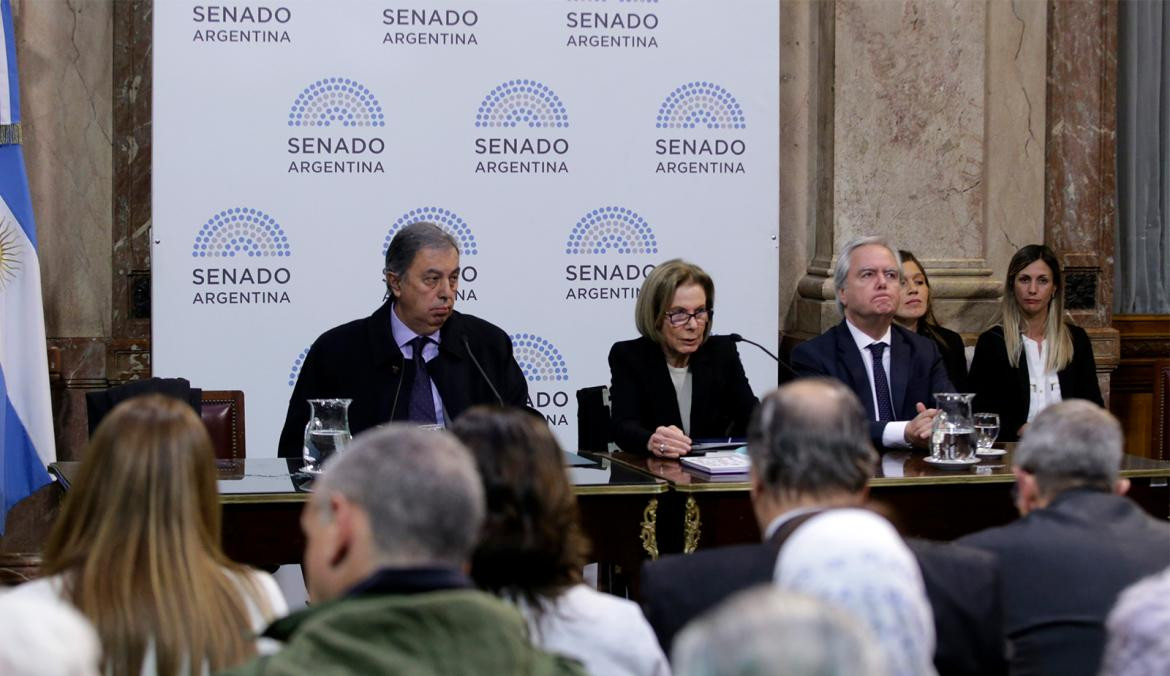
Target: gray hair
<point x="768" y="631"/>
<point x="1139" y="629"/>
<point x="420" y="489"/>
<point x="844" y="260"/>
<point x="410" y="240"/>
<point x="1069" y="444"/>
<point x="811" y="437"/>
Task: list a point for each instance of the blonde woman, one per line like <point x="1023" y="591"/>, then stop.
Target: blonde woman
<point x="137" y="549"/>
<point x="1043" y="359"/>
<point x="677" y="382"/>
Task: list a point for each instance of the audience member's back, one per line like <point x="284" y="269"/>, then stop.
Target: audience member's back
<point x="532" y="550"/>
<point x="136" y="548"/>
<point x="389" y="528"/>
<point x="1077" y="545"/>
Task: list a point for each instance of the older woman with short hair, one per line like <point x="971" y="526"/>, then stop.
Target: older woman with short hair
<point x="677" y="382"/>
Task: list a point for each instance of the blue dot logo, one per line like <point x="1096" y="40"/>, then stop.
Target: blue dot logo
<point x="700" y="104"/>
<point x="539" y="360"/>
<point x="241" y="231"/>
<point x="295" y="370"/>
<point x="336" y="102"/>
<point x="611" y="229"/>
<point x="522" y="103"/>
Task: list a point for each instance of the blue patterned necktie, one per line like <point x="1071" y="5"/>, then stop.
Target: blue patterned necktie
<point x="422" y="401"/>
<point x="880" y="383"/>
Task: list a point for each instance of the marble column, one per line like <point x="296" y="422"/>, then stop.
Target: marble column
<point x="1080" y="187"/>
<point x="924" y="124"/>
<point x="63" y="52"/>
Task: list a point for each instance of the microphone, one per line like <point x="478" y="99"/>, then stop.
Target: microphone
<point x="483" y="373"/>
<point x="736" y="338"/>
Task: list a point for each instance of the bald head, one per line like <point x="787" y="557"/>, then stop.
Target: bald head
<point x="810" y="438"/>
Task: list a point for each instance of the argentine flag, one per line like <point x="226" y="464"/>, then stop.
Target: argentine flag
<point x="26" y="421"/>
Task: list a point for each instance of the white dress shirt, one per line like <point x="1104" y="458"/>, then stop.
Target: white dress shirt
<point x="1043" y="385"/>
<point x="609" y="635"/>
<point x="894" y="433"/>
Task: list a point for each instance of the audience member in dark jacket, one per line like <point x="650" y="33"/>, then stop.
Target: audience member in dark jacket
<point x="1078" y="543"/>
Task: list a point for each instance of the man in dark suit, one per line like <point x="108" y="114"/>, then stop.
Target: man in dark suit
<point x="810" y="451"/>
<point x="1078" y="544"/>
<point x="894" y="372"/>
<point x="415" y="358"/>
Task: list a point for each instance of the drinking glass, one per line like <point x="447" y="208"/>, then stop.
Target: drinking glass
<point x="986" y="429"/>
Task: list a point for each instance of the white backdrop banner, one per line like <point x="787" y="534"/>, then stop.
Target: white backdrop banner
<point x="568" y="145"/>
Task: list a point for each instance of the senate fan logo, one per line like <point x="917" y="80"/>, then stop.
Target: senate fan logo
<point x="533" y="117"/>
<point x="336" y="101"/>
<point x="544" y="367"/>
<point x="240" y="233"/>
<point x="611" y="230"/>
<point x="539" y="359"/>
<point x="704" y="115"/>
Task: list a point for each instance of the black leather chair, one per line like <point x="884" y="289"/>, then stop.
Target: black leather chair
<point x="593" y="432"/>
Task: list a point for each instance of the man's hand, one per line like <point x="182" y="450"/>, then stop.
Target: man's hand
<point x="918" y="430"/>
<point x="668" y="442"/>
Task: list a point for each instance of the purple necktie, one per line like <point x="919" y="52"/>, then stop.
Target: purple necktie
<point x="422" y="401"/>
<point x="880" y="383"/>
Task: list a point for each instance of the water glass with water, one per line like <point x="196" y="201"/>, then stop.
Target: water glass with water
<point x="986" y="429"/>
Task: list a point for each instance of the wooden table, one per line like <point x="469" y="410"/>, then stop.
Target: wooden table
<point x="922" y="501"/>
<point x="262" y="499"/>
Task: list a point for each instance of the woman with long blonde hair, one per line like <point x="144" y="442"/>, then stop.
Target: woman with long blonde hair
<point x="137" y="548"/>
<point x="1034" y="358"/>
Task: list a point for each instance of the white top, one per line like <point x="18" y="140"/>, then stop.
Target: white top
<point x="855" y="560"/>
<point x="609" y="635"/>
<point x="1043" y="385"/>
<point x="53" y="587"/>
<point x="682" y="379"/>
<point x="894" y="433"/>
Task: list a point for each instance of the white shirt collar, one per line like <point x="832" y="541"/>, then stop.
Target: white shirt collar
<point x="402" y="333"/>
<point x="785" y="518"/>
<point x="863" y="340"/>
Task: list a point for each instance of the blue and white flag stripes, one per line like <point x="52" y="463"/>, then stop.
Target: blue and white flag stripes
<point x="26" y="421"/>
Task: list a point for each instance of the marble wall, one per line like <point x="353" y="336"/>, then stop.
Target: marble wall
<point x="933" y="110"/>
<point x="63" y="51"/>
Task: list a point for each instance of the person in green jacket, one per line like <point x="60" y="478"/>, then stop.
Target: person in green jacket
<point x="389" y="527"/>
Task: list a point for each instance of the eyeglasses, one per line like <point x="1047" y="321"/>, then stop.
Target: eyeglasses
<point x="681" y="317"/>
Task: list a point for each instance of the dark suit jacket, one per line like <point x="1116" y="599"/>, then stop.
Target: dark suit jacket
<point x="642" y="394"/>
<point x="361" y="361"/>
<point x="961" y="583"/>
<point x="954" y="356"/>
<point x="916" y="370"/>
<point x="1001" y="389"/>
<point x="1064" y="567"/>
